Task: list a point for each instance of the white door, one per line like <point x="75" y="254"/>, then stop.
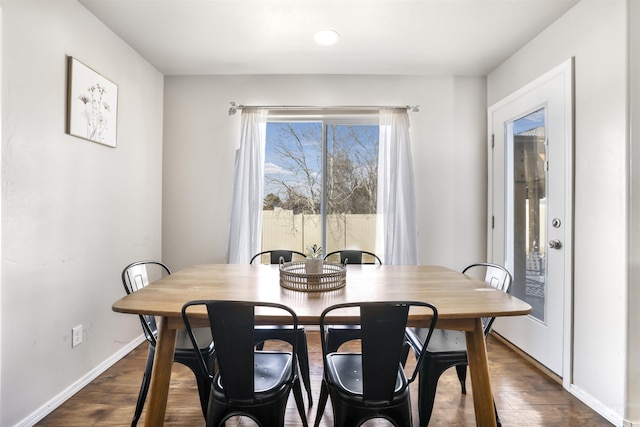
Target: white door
<point x="530" y="211"/>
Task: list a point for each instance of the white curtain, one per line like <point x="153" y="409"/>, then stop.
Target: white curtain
<point x="248" y="182"/>
<point x="396" y="227"/>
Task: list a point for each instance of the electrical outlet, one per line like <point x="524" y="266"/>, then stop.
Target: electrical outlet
<point x="76" y="336"/>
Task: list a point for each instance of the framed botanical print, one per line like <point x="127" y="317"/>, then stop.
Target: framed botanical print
<point x="92" y="104"/>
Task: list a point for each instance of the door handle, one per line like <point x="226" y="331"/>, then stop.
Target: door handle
<point x="555" y="244"/>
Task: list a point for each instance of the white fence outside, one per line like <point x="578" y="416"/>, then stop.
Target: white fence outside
<point x="281" y="229"/>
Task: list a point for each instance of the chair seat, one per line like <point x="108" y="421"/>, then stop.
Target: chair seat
<point x="345" y="371"/>
<point x="442" y="341"/>
<point x="271" y="369"/>
<point x="264" y="333"/>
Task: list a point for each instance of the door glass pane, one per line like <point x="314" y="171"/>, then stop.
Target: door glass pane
<point x="529" y="210"/>
<point x="352" y="185"/>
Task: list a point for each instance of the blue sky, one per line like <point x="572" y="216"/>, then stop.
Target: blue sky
<point x="274" y="166"/>
<point x="310" y="134"/>
<point x="528" y="122"/>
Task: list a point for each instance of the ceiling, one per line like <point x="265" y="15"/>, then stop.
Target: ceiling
<point x="395" y="37"/>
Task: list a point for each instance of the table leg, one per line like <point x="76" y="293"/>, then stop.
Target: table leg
<point x="479" y="370"/>
<point x="161" y="375"/>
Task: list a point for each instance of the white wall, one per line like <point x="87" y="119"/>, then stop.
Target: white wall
<point x="74" y="213"/>
<point x="448" y="143"/>
<point x="595" y="33"/>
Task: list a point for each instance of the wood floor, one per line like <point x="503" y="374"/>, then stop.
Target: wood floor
<point x="524" y="397"/>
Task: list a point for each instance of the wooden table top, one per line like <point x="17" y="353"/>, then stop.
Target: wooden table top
<point x="455" y="295"/>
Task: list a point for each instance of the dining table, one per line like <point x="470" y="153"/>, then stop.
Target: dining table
<point x="461" y="301"/>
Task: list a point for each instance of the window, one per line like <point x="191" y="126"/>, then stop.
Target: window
<point x="321" y="184"/>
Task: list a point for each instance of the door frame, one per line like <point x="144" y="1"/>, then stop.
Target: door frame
<point x="566" y="69"/>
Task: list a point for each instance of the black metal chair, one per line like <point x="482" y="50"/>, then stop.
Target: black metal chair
<point x="448" y="348"/>
<point x="248" y="382"/>
<point x="269" y="332"/>
<point x="371" y="383"/>
<point x="340" y="334"/>
<point x="352" y="256"/>
<point x="135" y="276"/>
<point x="275" y="255"/>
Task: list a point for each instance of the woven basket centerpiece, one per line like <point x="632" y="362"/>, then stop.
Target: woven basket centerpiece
<point x="293" y="275"/>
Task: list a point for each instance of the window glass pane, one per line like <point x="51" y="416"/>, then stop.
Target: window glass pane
<point x="352" y="182"/>
<point x="293" y="185"/>
<point x="294" y="216"/>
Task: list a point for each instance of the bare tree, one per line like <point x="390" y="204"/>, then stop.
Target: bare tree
<point x="353" y="169"/>
<point x="298" y="149"/>
<point x="352" y="156"/>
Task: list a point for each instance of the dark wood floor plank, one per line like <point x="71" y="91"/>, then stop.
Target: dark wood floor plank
<point x="524" y="397"/>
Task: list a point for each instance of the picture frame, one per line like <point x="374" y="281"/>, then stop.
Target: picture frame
<point x="92" y="104"/>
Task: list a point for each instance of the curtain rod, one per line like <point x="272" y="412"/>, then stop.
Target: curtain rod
<point x="236" y="107"/>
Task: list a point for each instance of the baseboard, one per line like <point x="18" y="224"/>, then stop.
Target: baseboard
<point x="611" y="416"/>
<point x="66" y="394"/>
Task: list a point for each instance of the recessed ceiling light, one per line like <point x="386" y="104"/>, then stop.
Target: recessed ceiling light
<point x="326" y="37"/>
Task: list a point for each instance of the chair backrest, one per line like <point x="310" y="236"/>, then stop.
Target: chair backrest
<point x="276" y="254"/>
<point x="353" y="256"/>
<point x="495" y="276"/>
<point x="136" y="276"/>
<point x="232" y="326"/>
<point x="383" y="327"/>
